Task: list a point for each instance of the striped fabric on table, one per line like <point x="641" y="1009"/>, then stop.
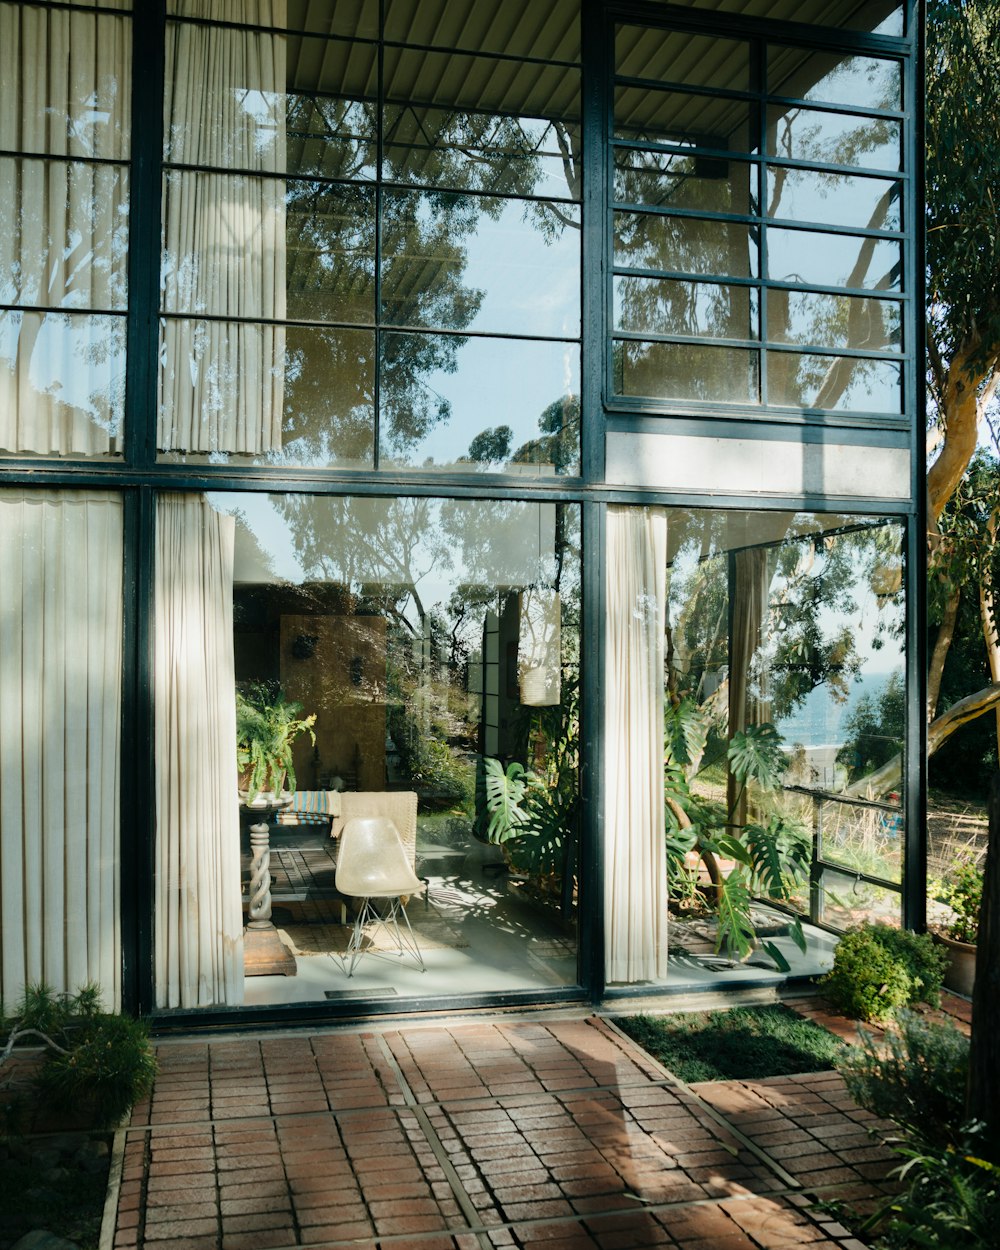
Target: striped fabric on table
<point x="311" y="807"/>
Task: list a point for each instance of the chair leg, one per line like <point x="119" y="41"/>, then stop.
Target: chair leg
<point x="361" y="943"/>
<point x="366" y="914"/>
<point x="405" y="941"/>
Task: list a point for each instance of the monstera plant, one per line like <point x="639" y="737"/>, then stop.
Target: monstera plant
<point x="768" y="857"/>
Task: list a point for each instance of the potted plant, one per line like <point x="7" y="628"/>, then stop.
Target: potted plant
<point x="963" y="893"/>
<point x="267" y="725"/>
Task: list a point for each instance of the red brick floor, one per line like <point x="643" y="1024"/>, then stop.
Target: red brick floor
<point x="556" y="1134"/>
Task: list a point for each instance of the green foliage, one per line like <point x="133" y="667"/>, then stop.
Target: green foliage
<point x="534" y="812"/>
<point x="916" y="1077"/>
<point x="267" y="725"/>
<point x="963" y="892"/>
<point x="878" y="969"/>
<point x="686" y="730"/>
<point x="755" y="756"/>
<point x="95" y="1061"/>
<point x="951" y="1199"/>
<point x="743" y="1043"/>
<point x="447" y="778"/>
<point x="505" y="794"/>
<point x="874" y="728"/>
<point x="768" y="858"/>
<point x="962" y="173"/>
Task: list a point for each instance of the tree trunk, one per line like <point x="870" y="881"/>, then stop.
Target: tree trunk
<point x="988" y="618"/>
<point x="960" y="402"/>
<point x="942" y="645"/>
<point x="983" y="1094"/>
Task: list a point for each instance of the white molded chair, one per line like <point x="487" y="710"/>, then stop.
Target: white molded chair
<point x="373" y="865"/>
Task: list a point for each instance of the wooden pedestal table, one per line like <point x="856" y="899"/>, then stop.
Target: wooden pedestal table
<point x="264" y="953"/>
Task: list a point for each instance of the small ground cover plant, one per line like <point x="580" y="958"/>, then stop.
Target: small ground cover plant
<point x="741" y="1043"/>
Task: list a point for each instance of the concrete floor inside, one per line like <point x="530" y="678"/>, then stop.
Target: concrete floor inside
<point x="480" y="934"/>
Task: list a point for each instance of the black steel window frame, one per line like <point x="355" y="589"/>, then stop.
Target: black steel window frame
<point x="380" y="184"/>
<point x="760" y="36"/>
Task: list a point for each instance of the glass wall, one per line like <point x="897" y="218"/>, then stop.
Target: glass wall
<point x="785" y="689"/>
<point x="428" y="650"/>
<point x="371" y="258"/>
<point x="65" y="91"/>
<point x="757" y="231"/>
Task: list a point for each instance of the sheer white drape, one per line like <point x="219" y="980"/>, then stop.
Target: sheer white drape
<point x="60" y="716"/>
<point x="64" y="89"/>
<point x="222" y="382"/>
<point x="635" y="870"/>
<point x="199" y="913"/>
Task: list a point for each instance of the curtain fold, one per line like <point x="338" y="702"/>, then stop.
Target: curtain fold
<point x="635" y="873"/>
<point x="60" y="717"/>
<point x="222" y="382"/>
<point x="199" y="911"/>
<point x="66" y="87"/>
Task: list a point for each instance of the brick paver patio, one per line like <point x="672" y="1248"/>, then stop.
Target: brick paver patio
<point x="557" y="1134"/>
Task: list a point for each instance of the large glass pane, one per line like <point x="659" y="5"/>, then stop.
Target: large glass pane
<point x="785" y="638"/>
<point x="683" y="371"/>
<point x="845" y="901"/>
<point x="681" y="119"/>
<point x="62" y="383"/>
<point x="353" y="18"/>
<point x="550" y="32"/>
<point x="69" y="87"/>
<point x="455" y="262"/>
<point x="667" y="180"/>
<point x="834" y="383"/>
<point x="425" y="641"/>
<point x="61" y="627"/>
<point x="482" y="124"/>
<point x="817" y="320"/>
<point x="828" y="78"/>
<point x="264" y="247"/>
<point x="834" y="259"/>
<point x="836" y="138"/>
<point x="75" y="257"/>
<point x="704" y="309"/>
<point x="260" y="101"/>
<point x="449" y="401"/>
<point x="834" y="199"/>
<point x="683" y="59"/>
<point x="279" y="395"/>
<point x="330" y="252"/>
<point x="685" y="245"/>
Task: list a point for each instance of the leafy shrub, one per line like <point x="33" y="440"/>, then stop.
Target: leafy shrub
<point x="95" y="1061"/>
<point x="963" y="892"/>
<point x="878" y="969"/>
<point x="951" y="1200"/>
<point x="916" y="1078"/>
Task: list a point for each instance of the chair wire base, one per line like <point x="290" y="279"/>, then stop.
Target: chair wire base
<point x="388" y="921"/>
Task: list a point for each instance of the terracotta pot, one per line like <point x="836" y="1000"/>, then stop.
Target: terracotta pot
<point x="961" y="975"/>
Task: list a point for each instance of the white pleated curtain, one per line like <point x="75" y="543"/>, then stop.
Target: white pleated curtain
<point x="198" y="905"/>
<point x="222" y="382"/>
<point x="635" y="871"/>
<point x="60" y="717"/>
<point x="64" y="90"/>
